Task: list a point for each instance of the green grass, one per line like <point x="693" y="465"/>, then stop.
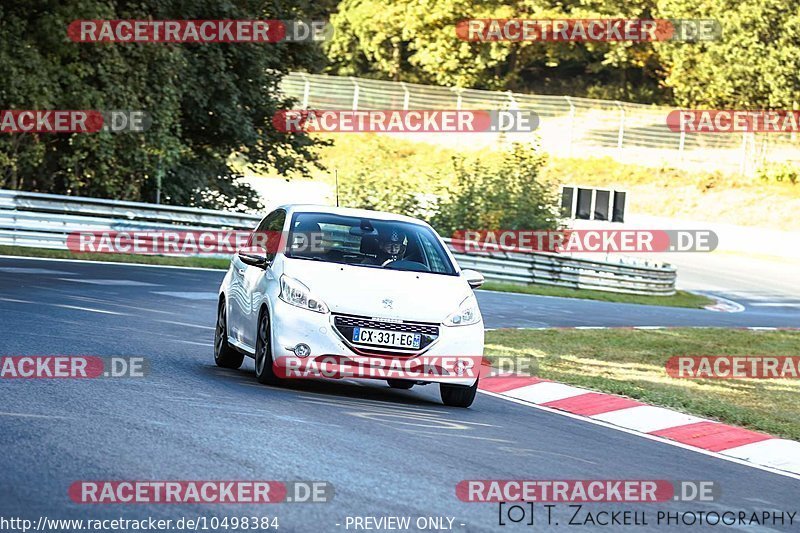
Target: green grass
<point x="631" y="363"/>
<point x="679" y="299"/>
<point x="202" y="262"/>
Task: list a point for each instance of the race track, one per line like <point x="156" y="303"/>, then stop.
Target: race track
<point x="387" y="452"/>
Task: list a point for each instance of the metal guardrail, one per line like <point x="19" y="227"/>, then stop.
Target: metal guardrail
<point x="560" y="270"/>
<point x="45" y="220"/>
<point x="569" y="126"/>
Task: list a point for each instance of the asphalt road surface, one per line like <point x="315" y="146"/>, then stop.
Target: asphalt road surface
<point x="386" y="452"/>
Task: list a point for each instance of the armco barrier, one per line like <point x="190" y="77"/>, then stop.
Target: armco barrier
<point x="45" y="220"/>
<point x="565" y="271"/>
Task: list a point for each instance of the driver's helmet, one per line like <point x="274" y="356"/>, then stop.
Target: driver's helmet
<point x="393" y="243"/>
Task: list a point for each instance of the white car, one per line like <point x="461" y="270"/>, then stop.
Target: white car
<point x="349" y="283"/>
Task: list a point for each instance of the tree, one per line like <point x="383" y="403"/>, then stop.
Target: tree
<point x="498" y="191"/>
<point x="206" y="102"/>
<point x="754" y="65"/>
<point x="415" y="41"/>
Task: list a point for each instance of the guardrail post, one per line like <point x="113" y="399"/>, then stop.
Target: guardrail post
<point x="681" y="145"/>
<point x="743" y="163"/>
<point x="512" y="102"/>
<point x="406" y="96"/>
<point x="355" y="94"/>
<point x="571" y="124"/>
<point x="457" y="90"/>
<point x="306" y="90"/>
<point x="621" y="134"/>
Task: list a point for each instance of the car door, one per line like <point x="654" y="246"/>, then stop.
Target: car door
<point x="253" y="278"/>
<point x="238" y="300"/>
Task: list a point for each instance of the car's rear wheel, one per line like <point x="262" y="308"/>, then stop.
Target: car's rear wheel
<point x="458" y="395"/>
<point x="264" y="371"/>
<point x="400" y="384"/>
<point x="224" y="354"/>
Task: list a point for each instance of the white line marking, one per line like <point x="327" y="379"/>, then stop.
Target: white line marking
<point x="115" y="304"/>
<point x="29" y="415"/>
<point x="205" y="344"/>
<point x="186" y="324"/>
<point x="775" y="304"/>
<point x="190" y="295"/>
<point x="24" y="270"/>
<point x="647" y="436"/>
<point x="13" y="300"/>
<point x="723" y="305"/>
<point x="77" y="308"/>
<point x="119" y="282"/>
<point x="451" y="434"/>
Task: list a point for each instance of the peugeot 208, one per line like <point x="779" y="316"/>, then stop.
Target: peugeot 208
<point x="349" y="283"/>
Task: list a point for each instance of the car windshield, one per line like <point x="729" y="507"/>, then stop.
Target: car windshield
<point x="367" y="242"/>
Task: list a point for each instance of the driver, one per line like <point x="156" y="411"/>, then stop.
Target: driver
<point x="391" y="246"/>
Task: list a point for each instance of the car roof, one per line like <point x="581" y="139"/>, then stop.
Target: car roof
<point x="348" y="211"/>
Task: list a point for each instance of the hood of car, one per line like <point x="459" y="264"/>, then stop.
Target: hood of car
<point x="380" y="292"/>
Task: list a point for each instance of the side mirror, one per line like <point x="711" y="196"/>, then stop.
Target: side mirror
<point x="473" y="277"/>
<point x="253" y="256"/>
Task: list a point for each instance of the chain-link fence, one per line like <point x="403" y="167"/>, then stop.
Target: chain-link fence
<point x="569" y="127"/>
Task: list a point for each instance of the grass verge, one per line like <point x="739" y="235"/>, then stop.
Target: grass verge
<point x="201" y="262"/>
<point x="679" y="299"/>
<point x="631" y="363"/>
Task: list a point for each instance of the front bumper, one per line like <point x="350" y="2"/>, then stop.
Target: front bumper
<point x="292" y="326"/>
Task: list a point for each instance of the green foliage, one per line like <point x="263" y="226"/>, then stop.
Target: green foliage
<point x="409" y="40"/>
<point x="498" y="190"/>
<point x="452" y="189"/>
<point x="753" y="66"/>
<point x="206" y="101"/>
<point x="384" y="173"/>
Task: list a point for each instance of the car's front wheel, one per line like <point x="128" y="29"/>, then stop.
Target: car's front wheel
<point x="224" y="354"/>
<point x="458" y="395"/>
<point x="265" y="373"/>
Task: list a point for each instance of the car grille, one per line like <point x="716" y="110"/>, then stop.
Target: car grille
<point x="428" y="332"/>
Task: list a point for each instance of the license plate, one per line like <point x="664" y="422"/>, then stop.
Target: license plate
<point x="379" y="337"/>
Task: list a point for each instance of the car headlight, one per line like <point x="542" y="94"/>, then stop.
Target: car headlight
<point x="295" y="293"/>
<point x="467" y="314"/>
